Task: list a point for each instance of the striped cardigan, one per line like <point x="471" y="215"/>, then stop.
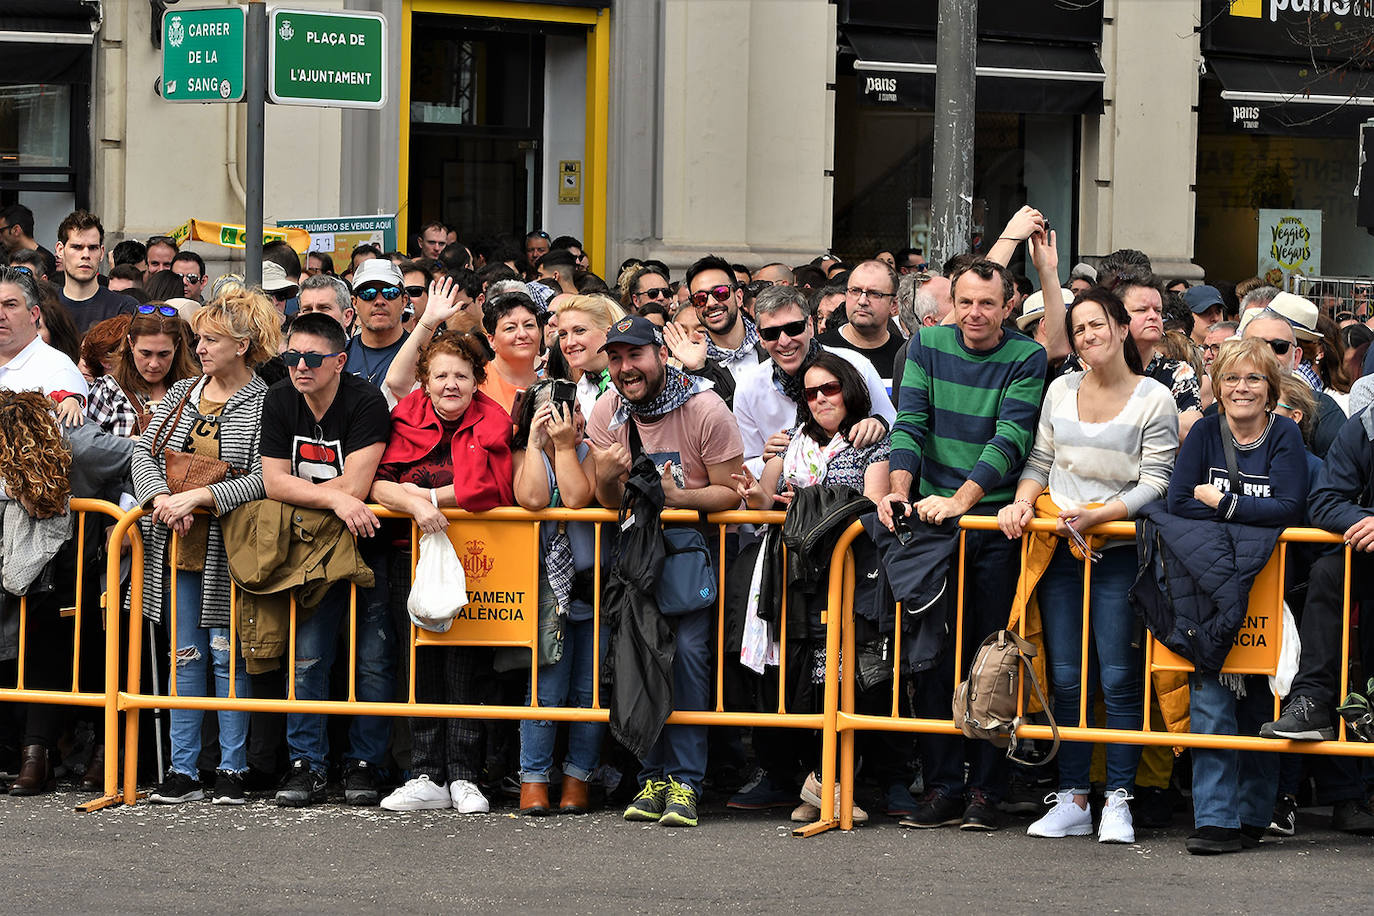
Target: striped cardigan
<point x="240" y="436"/>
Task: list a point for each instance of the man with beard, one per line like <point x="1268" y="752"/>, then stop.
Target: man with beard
<point x="768" y="395"/>
<point x="686" y="429"/>
<point x="732" y="339"/>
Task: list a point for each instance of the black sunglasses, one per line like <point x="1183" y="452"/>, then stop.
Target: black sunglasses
<point x="791" y="329"/>
<point x="292" y="358"/>
<point x="415" y="291"/>
<point x="1280" y="347"/>
<point x="389" y="293"/>
<point x="661" y="292"/>
<point x="147" y="308"/>
<point x="191" y="278"/>
<point x="829" y="389"/>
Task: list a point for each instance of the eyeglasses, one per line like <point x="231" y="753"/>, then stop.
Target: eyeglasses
<point x="874" y="294"/>
<point x="755" y="287"/>
<point x="160" y="240"/>
<point x="1251" y="380"/>
<point x="829" y="389"/>
<point x="1284" y="406"/>
<point x="293" y="358"/>
<point x="1280" y="347"/>
<point x="791" y="329"/>
<point x="912" y="268"/>
<point x="193" y="279"/>
<point x="389" y="293"/>
<point x="415" y="291"/>
<point x="661" y="292"/>
<point x="718" y="293"/>
<point x="1213" y="349"/>
<point x="147" y="308"/>
<point x="538" y="233"/>
<point x="24" y="268"/>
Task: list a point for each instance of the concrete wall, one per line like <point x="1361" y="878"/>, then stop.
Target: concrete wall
<point x="157" y="164"/>
<point x="1139" y="158"/>
<point x="565" y="124"/>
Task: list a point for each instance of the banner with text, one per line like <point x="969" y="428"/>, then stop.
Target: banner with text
<point x="337" y="236"/>
<point x="1290" y="241"/>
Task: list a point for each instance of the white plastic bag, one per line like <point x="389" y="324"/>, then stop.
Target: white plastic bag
<point x="1289" y="653"/>
<point x="440" y="588"/>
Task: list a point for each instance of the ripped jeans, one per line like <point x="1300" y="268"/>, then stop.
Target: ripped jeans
<point x="316" y="639"/>
<point x="198" y="649"/>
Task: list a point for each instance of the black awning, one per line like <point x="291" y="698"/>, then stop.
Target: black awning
<point x="1012" y="76"/>
<point x="1279" y="97"/>
<point x="77" y="18"/>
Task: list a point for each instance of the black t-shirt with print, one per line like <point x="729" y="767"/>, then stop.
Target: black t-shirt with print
<point x="317" y="449"/>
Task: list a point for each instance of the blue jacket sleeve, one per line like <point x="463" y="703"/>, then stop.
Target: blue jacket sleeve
<point x="1189" y="471"/>
<point x="1338" y="494"/>
<point x="1287" y="484"/>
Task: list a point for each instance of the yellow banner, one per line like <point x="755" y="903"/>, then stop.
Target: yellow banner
<point x="501" y="563"/>
<point x="228" y="235"/>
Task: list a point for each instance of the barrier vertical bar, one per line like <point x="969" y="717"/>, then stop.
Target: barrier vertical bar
<point x="596" y="617"/>
<point x="233" y="639"/>
<point x="411" y="628"/>
<point x="1345" y="640"/>
<point x="534" y="652"/>
<point x="174" y="546"/>
<point x="720" y="625"/>
<point x="1083" y="686"/>
<point x="353" y="642"/>
<point x="80" y="575"/>
<point x="849" y="655"/>
<point x="23" y="641"/>
<point x="135" y="653"/>
<point x="959" y="617"/>
<point x="782" y="639"/>
<point x="291" y="649"/>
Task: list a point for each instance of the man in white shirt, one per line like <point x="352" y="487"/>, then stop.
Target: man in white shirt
<point x="26" y="362"/>
<point x="763" y="405"/>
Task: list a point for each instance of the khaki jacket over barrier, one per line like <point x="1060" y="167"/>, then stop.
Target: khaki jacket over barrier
<point x="276" y="550"/>
<point x="1171" y="687"/>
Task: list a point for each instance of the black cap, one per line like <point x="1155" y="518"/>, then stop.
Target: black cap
<point x="635" y="331"/>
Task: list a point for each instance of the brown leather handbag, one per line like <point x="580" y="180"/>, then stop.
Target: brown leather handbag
<point x="187" y="470"/>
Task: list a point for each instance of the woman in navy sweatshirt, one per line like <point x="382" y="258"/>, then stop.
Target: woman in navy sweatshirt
<point x="1233" y="792"/>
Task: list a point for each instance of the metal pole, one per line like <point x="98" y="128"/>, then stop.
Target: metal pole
<point x="255" y="97"/>
<point x="955" y="73"/>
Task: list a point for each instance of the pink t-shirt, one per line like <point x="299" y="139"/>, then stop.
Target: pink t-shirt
<point x="698" y="434"/>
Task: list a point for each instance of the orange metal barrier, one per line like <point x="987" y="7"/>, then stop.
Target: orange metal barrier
<point x="86" y="512"/>
<point x="1266" y="597"/>
<point x="500" y="550"/>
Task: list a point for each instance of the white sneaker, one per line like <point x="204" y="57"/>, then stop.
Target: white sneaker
<point x="1116" y="825"/>
<point x="467" y="798"/>
<point x="1064" y="819"/>
<point x="418" y="794"/>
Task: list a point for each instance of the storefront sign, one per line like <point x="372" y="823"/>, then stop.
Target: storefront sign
<point x="229" y="235"/>
<point x="335" y="60"/>
<point x="1295" y="29"/>
<point x="1017" y="19"/>
<point x="1290" y="241"/>
<point x="502" y="569"/>
<point x="202" y="55"/>
<point x="338" y="236"/>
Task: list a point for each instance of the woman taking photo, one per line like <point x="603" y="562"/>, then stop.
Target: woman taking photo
<point x="582" y="325"/>
<point x="512" y="325"/>
<point x="216" y="415"/>
<point x="548" y="455"/>
<point x="1234" y="791"/>
<point x="1104" y="448"/>
<point x="155" y="355"/>
<point x="449" y="447"/>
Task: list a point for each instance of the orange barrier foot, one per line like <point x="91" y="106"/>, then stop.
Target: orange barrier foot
<point x="817" y="828"/>
<point x="96" y="804"/>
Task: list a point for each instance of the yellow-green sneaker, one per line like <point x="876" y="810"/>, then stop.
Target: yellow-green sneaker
<point x="648" y="804"/>
<point x="681" y="807"/>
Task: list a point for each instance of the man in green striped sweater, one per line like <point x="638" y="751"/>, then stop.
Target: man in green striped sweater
<point x="965" y="422"/>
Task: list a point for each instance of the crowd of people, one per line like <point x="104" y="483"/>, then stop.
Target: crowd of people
<point x="258" y="426"/>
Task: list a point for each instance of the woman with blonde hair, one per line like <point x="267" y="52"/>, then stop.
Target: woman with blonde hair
<point x="216" y="415"/>
<point x="582" y="325"/>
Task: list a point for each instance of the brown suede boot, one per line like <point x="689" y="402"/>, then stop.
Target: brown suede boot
<point x="534" y="798"/>
<point x="35" y="772"/>
<point x="94" y="780"/>
<point x="574" y="799"/>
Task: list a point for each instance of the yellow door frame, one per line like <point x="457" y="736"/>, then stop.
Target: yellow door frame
<point x="597" y="139"/>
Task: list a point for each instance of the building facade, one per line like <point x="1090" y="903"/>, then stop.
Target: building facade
<point x="757" y="129"/>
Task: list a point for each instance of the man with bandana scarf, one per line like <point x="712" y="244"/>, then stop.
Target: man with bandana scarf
<point x="691" y="436"/>
<point x="767" y="395"/>
<point x="731" y="338"/>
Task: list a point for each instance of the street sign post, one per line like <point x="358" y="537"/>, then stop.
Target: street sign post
<point x="335" y="60"/>
<point x="202" y="55"/>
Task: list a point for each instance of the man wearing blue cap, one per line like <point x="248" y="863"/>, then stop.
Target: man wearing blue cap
<point x="1206" y="305"/>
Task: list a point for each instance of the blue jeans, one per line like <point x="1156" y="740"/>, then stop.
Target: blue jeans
<point x="316" y="638"/>
<point x="197" y="650"/>
<point x="680" y="750"/>
<point x="1231" y="788"/>
<point x="1111" y="658"/>
<point x="567" y="682"/>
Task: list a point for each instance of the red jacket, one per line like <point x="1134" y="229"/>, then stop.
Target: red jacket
<point x="483" y="475"/>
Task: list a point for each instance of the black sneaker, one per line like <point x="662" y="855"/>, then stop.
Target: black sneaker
<point x="302" y="786"/>
<point x="680" y="805"/>
<point x="1213" y="841"/>
<point x="228" y="789"/>
<point x="935" y="809"/>
<point x="1285" y="819"/>
<point x="360" y="784"/>
<point x="1352" y="816"/>
<point x="981" y="813"/>
<point x="1153" y="807"/>
<point x="1302" y="720"/>
<point x="1251" y="835"/>
<point x="176" y="789"/>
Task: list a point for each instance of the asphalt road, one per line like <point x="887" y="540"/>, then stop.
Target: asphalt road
<point x="330" y="858"/>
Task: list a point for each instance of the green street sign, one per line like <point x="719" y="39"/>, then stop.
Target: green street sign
<point x="202" y="54"/>
<point x="334" y="60"/>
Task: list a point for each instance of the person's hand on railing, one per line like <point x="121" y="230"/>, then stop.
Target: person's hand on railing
<point x="1013" y="519"/>
<point x="750" y="490"/>
<point x="1360" y="536"/>
<point x="866" y="432"/>
<point x="356" y="514"/>
<point x="1081" y="520"/>
<point x="175" y="509"/>
<point x="885" y="509"/>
